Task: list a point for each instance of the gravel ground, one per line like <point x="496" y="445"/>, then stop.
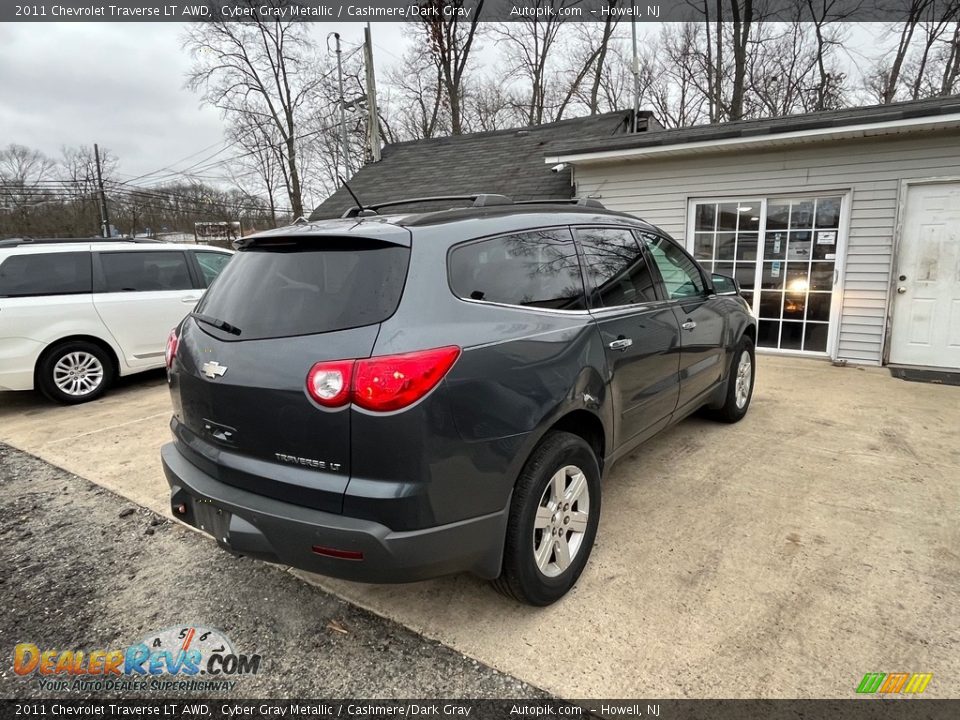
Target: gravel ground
<point x="81" y="568"/>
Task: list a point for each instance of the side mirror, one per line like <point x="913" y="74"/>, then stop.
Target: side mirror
<point x="724" y="285"/>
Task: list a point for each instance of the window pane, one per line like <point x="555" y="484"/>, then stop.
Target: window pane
<point x="616" y="272"/>
<point x="824" y="244"/>
<point x="801" y="215"/>
<point x="748" y="296"/>
<point x="815" y="337"/>
<point x="747" y="246"/>
<point x="828" y="212"/>
<point x="797" y="277"/>
<point x="770" y="303"/>
<point x="706" y="216"/>
<point x="726" y="243"/>
<point x="799" y="246"/>
<point x="791" y="336"/>
<point x="778" y="215"/>
<point x="539" y="269"/>
<point x="681" y="277"/>
<point x="703" y="246"/>
<point x="821" y="276"/>
<point x="818" y="306"/>
<point x="746" y="275"/>
<point x="727" y="217"/>
<point x="211" y="263"/>
<point x="794" y="305"/>
<point x="749" y="216"/>
<point x="767" y="333"/>
<point x="145" y="271"/>
<point x="772" y="275"/>
<point x="775" y="246"/>
<point x="724" y="268"/>
<point x="45" y="274"/>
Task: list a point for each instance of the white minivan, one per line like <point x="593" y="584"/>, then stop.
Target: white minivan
<point x="75" y="314"/>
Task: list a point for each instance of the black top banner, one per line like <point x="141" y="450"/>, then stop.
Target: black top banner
<point x="464" y="10"/>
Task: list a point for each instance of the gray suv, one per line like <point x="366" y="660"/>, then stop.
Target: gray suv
<point x="389" y="398"/>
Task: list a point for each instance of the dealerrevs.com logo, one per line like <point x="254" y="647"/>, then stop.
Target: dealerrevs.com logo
<point x="188" y="658"/>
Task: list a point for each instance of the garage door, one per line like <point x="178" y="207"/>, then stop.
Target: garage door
<point x="926" y="305"/>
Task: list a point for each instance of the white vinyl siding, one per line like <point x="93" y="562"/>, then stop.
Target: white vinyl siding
<point x="658" y="190"/>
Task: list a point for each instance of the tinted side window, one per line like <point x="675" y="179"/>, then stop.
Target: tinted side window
<point x="64" y="273"/>
<point x="681" y="277"/>
<point x="537" y="269"/>
<point x="145" y="271"/>
<point x="616" y="271"/>
<point x="211" y="263"/>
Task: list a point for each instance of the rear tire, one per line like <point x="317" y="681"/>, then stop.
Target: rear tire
<point x="75" y="372"/>
<point x="553" y="521"/>
<point x="739" y="384"/>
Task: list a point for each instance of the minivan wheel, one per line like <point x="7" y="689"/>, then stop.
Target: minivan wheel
<point x="739" y="385"/>
<point x="74" y="372"/>
<point x="553" y="521"/>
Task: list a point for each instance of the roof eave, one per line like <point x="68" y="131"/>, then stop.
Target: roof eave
<point x="893" y="127"/>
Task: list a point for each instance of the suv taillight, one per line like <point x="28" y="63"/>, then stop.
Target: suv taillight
<point x="381" y="384"/>
<point x="173" y="341"/>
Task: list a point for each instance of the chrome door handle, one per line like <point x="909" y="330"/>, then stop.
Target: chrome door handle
<point x="620" y="344"/>
<point x="689" y="325"/>
<point x="190" y="300"/>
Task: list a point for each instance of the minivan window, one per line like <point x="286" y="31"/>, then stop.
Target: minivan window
<point x="615" y="269"/>
<point x="681" y="278"/>
<point x="536" y="269"/>
<point x="65" y="273"/>
<point x="211" y="263"/>
<point x="305" y="288"/>
<point x="145" y="271"/>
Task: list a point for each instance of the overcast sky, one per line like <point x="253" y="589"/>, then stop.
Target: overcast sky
<point x="121" y="85"/>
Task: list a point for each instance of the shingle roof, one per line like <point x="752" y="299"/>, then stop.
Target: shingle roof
<point x="930" y="107"/>
<point x="508" y="162"/>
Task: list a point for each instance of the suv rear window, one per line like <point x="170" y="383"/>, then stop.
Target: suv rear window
<point x="302" y="289"/>
<point x="535" y="269"/>
<point x="66" y="273"/>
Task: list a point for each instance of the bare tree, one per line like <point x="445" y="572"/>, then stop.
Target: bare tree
<point x="449" y="40"/>
<point x="588" y="50"/>
<point x="260" y="68"/>
<point x="418" y="93"/>
<point x="528" y="44"/>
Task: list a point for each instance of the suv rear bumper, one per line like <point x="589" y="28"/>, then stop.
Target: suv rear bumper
<point x="249" y="524"/>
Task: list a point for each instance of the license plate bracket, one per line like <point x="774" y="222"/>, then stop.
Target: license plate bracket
<point x="213" y="520"/>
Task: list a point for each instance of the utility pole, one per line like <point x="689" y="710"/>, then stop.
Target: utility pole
<point x="374" y="122"/>
<point x="104" y="216"/>
<point x="343" y="112"/>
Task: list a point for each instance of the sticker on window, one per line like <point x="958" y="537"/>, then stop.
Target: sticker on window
<point x="826" y="238"/>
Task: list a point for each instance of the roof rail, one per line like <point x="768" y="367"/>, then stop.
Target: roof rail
<point x="480" y="200"/>
<point x="583" y="202"/>
<point x="17" y="242"/>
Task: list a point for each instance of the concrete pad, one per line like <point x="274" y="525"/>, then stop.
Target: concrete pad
<point x="784" y="556"/>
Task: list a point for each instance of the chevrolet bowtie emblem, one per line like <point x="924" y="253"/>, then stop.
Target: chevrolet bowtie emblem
<point x="213" y="369"/>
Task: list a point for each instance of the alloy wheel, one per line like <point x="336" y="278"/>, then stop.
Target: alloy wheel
<point x="561" y="520"/>
<point x="78" y="373"/>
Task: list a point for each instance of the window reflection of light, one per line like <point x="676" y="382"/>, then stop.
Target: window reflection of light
<point x="745" y="208"/>
<point x="798" y="285"/>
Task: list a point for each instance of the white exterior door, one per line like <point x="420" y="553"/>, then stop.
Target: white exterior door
<point x="926" y="301"/>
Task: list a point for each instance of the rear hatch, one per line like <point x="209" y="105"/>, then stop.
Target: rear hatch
<point x="241" y="409"/>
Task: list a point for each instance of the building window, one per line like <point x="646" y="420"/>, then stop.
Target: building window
<point x="788" y="277"/>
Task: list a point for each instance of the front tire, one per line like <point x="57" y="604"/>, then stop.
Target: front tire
<point x="553" y="521"/>
<point x="739" y="383"/>
<point x="75" y="372"/>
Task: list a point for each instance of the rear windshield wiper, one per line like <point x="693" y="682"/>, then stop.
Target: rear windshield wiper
<point x="216" y="322"/>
